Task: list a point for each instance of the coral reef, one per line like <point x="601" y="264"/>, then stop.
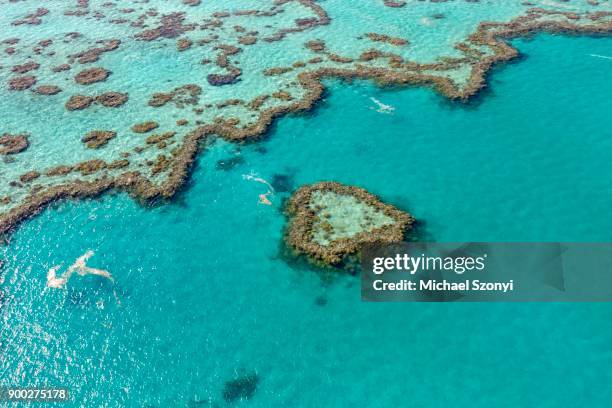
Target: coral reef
<point x="47" y="90"/>
<point x="78" y="102"/>
<point x="107" y="99"/>
<point x="314" y="230"/>
<point x="386" y="39"/>
<point x="145" y="127"/>
<point x="296" y="87"/>
<point x="93" y="54"/>
<point x="91" y="75"/>
<point x="184" y="44"/>
<point x="396" y="4"/>
<point x="223" y="79"/>
<point x="90" y="166"/>
<point x="61" y="170"/>
<point x="60" y="68"/>
<point x="27" y="67"/>
<point x="184" y="95"/>
<point x="21" y="83"/>
<point x="112" y="99"/>
<point x="29" y="176"/>
<point x="98" y="138"/>
<point x="160" y="139"/>
<point x="13" y="144"/>
<point x="161" y="164"/>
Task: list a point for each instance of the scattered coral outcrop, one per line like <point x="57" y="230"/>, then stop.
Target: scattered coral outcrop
<point x="386" y="39"/>
<point x="98" y="138"/>
<point x="91" y="75"/>
<point x="145" y="127"/>
<point x="79" y="102"/>
<point x="107" y="99"/>
<point x="112" y="99"/>
<point x="183" y="95"/>
<point x="13" y="144"/>
<point x="48" y="90"/>
<point x="21" y="83"/>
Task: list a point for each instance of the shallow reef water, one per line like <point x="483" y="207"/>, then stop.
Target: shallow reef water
<point x="95" y="69"/>
<point x="202" y="297"/>
<point x="346" y="217"/>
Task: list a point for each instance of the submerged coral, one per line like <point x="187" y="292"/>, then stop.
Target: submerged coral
<point x="112" y="99"/>
<point x="21" y="83"/>
<point x="91" y="75"/>
<point x="241" y="388"/>
<point x="78" y="102"/>
<point x="48" y="90"/>
<point x="13" y="144"/>
<point x="188" y="94"/>
<point x="98" y="138"/>
<point x="223" y="79"/>
<point x="329" y="221"/>
<point x="145" y="127"/>
<point x="235" y="98"/>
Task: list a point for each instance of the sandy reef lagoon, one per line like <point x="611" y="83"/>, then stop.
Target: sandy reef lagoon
<point x="329" y="221"/>
<point x="98" y="95"/>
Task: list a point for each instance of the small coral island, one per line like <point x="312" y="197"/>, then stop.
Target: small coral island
<point x="329" y="221"/>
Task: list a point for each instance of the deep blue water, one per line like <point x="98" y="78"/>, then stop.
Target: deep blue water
<point x="202" y="294"/>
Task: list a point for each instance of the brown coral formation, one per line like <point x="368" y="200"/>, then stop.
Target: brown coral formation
<point x="13" y="144"/>
<point x="160" y="139"/>
<point x="21" y="83"/>
<point x="160" y="99"/>
<point x="29" y="176"/>
<point x="184" y="95"/>
<point x="112" y="99"/>
<point x="61" y="170"/>
<point x="247" y="40"/>
<point x="91" y="75"/>
<point x="144" y="127"/>
<point x="79" y="102"/>
<point x="233" y="72"/>
<point x="24" y="68"/>
<point x="282" y="95"/>
<point x="316" y="45"/>
<point x="277" y="71"/>
<point x="60" y="68"/>
<point x="161" y="164"/>
<point x="183" y="44"/>
<point x="386" y="39"/>
<point x="90" y="166"/>
<point x="303" y="216"/>
<point x="32" y="18"/>
<point x="172" y="26"/>
<point x="118" y="164"/>
<point x="394" y="4"/>
<point x="98" y="138"/>
<point x="107" y="99"/>
<point x="223" y="79"/>
<point x="93" y="54"/>
<point x="48" y="90"/>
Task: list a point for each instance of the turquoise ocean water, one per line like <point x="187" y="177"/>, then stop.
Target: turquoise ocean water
<point x="202" y="294"/>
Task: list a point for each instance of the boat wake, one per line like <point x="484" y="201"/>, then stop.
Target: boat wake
<point x="600" y="56"/>
<point x="264" y="198"/>
<point x="79" y="266"/>
<point x="381" y="107"/>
